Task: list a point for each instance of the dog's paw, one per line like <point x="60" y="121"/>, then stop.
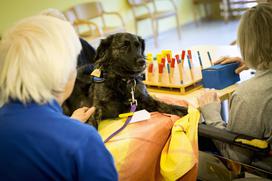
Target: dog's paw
<point x="180" y="111"/>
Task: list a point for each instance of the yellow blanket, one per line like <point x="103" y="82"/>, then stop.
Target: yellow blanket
<point x="161" y="148"/>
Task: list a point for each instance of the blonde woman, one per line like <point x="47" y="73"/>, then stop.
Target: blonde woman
<point x="38" y="58"/>
<point x="251" y="104"/>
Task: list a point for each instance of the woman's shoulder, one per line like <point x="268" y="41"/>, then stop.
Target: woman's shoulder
<point x="257" y="89"/>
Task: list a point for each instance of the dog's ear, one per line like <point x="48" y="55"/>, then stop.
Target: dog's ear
<point x="86" y="55"/>
<point x="83" y="73"/>
<point x="102" y="50"/>
<point x="142" y="44"/>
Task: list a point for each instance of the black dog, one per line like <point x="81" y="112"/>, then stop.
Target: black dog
<point x="120" y="58"/>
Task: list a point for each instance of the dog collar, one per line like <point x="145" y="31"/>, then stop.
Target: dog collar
<point x="101" y="77"/>
<point x="98" y="79"/>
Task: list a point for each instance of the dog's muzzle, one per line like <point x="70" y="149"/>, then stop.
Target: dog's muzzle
<point x="140" y="62"/>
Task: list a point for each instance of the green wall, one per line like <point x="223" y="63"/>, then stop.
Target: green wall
<point x="13" y="10"/>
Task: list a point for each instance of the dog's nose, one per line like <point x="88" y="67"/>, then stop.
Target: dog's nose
<point x="141" y="61"/>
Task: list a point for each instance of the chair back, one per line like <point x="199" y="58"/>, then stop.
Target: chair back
<point x="138" y="2"/>
<point x="88" y="10"/>
<point x="70" y="15"/>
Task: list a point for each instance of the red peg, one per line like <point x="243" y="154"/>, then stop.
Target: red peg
<point x="161" y="66"/>
<point x="150" y="68"/>
<point x="163" y="61"/>
<point x="190" y="54"/>
<point x="168" y="58"/>
<point x="183" y="55"/>
<point x="173" y="63"/>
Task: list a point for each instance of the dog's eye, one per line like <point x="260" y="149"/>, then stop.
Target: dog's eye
<point x="137" y="44"/>
<point x="124" y="47"/>
<point x="125" y="44"/>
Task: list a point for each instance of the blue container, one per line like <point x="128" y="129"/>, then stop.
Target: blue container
<point x="220" y="76"/>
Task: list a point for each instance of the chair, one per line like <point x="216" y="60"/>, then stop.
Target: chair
<point x="236" y="7"/>
<point x="85" y="29"/>
<point x="154" y="15"/>
<point x="205" y="3"/>
<point x="213" y="166"/>
<point x="89" y="21"/>
<point x="228" y="8"/>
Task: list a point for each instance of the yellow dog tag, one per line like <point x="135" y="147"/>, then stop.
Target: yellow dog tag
<point x="96" y="73"/>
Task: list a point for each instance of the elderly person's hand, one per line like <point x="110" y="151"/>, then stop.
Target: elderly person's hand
<point x="225" y="60"/>
<point x="83" y="114"/>
<point x="207" y="97"/>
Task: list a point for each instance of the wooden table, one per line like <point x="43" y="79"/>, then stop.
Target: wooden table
<point x="191" y="97"/>
<point x="216" y="52"/>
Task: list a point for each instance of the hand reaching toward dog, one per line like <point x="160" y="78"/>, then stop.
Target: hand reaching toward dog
<point x="83" y="114"/>
<point x="225" y="60"/>
<point x="207" y="97"/>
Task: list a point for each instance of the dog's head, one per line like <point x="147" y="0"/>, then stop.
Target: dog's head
<point x="122" y="54"/>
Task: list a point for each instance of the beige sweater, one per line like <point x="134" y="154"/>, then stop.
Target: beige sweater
<point x="250" y="114"/>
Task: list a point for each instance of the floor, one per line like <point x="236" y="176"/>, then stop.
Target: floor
<point x="215" y="32"/>
<point x="206" y="33"/>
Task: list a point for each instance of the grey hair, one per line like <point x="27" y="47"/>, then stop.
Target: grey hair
<point x="255" y="37"/>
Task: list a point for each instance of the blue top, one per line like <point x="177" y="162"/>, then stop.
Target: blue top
<point x="38" y="142"/>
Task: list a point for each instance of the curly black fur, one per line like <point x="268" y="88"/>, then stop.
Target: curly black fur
<point x="121" y="60"/>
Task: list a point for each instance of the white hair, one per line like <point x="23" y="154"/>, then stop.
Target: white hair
<point x="37" y="57"/>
